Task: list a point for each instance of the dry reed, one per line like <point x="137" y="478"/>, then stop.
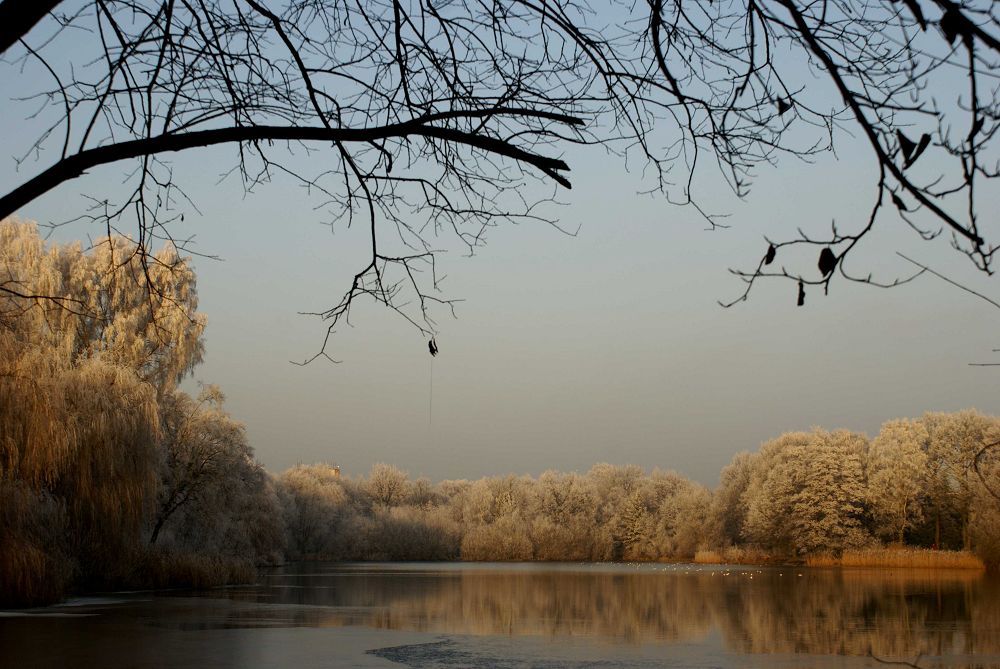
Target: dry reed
<point x="160" y="569"/>
<point x="916" y="558"/>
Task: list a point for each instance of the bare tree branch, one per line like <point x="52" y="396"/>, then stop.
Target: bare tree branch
<point x="428" y="118"/>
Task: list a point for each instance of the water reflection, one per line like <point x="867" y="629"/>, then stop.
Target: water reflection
<point x="779" y="610"/>
<point x="718" y="615"/>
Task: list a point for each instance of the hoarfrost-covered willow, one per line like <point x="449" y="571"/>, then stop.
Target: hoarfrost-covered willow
<point x="93" y="428"/>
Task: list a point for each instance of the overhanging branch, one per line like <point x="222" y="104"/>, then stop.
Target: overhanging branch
<point x="75" y="165"/>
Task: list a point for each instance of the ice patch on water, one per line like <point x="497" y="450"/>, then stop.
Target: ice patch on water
<point x="93" y="601"/>
<point x="56" y="610"/>
<point x="449" y="654"/>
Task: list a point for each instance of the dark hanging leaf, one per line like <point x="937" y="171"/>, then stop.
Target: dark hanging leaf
<point x="802" y="293"/>
<point x="769" y="258"/>
<point x="952" y="24"/>
<point x="896" y="200"/>
<point x="432" y="347"/>
<point x="827" y="261"/>
<point x="784" y="106"/>
<point x="906" y="145"/>
<point x="925" y="140"/>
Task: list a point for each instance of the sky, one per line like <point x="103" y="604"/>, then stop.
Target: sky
<point x="567" y="351"/>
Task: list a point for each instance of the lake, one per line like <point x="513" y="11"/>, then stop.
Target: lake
<point x="512" y="616"/>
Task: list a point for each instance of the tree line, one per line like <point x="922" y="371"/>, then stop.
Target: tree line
<point x="112" y="476"/>
<point x="801" y="494"/>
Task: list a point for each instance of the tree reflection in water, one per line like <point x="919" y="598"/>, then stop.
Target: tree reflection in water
<point x="756" y="610"/>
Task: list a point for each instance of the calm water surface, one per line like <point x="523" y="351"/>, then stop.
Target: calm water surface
<point x="557" y="616"/>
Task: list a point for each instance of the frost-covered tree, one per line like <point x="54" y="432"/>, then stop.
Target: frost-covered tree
<point x="505" y="539"/>
<point x="204" y="449"/>
<point x="806" y="492"/>
<point x="233" y="526"/>
<point x="386" y="484"/>
<point x="635" y="526"/>
<point x="897" y="470"/>
<point x="422" y="493"/>
<point x="135" y="311"/>
<point x="985" y="524"/>
<point x="563" y="517"/>
<point x="613" y="485"/>
<point x="954" y="440"/>
<point x="99" y="451"/>
<point x="496" y="519"/>
<point x="728" y="511"/>
<point x="683" y="523"/>
<point x="314" y="506"/>
<point x="86" y="348"/>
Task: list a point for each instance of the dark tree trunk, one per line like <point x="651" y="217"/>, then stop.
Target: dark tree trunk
<point x="156" y="529"/>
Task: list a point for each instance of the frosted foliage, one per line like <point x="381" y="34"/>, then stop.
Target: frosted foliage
<point x="953" y="439"/>
<point x="953" y="487"/>
<point x="87" y="432"/>
<point x="105" y="302"/>
<point x="802" y="493"/>
<point x="313" y="503"/>
<point x="78" y="429"/>
<point x="386" y="484"/>
<point x="806" y="492"/>
<point x="984" y="524"/>
<point x="84" y="347"/>
<point x="332" y="517"/>
<point x="236" y="517"/>
<point x="563" y="525"/>
<point x="421" y="493"/>
<point x="206" y="454"/>
<point x="32" y="524"/>
<point x="81" y="439"/>
<point x="897" y="467"/>
<point x="612" y="482"/>
<point x="413" y="533"/>
<point x="728" y="512"/>
<point x="683" y="518"/>
<point x="554" y="517"/>
<point x="984" y="519"/>
<point x="505" y="539"/>
<point x="489" y="500"/>
<point x="214" y="499"/>
<point x="564" y="497"/>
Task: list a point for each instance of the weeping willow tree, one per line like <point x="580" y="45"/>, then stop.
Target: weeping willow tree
<point x="88" y="342"/>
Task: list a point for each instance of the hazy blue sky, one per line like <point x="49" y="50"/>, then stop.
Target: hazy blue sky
<point x="568" y="351"/>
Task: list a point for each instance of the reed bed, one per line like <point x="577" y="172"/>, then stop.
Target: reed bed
<point x="188" y="570"/>
<point x="916" y="558"/>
